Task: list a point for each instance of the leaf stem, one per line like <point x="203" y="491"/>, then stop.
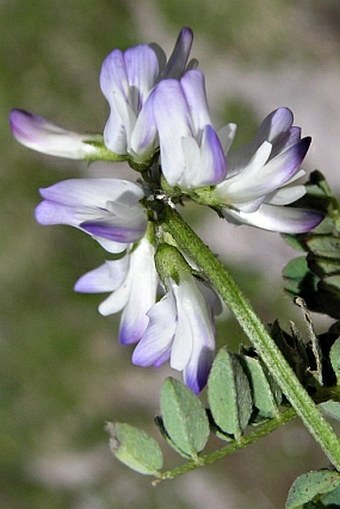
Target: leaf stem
<point x="236" y="445"/>
<point x="220" y="279"/>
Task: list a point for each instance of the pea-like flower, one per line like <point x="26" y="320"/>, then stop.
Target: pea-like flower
<point x="39" y="134"/>
<point x="262" y="176"/>
<point x="191" y="152"/>
<point x="108" y="209"/>
<point x="126" y="79"/>
<point x="133" y="281"/>
<point x="181" y="329"/>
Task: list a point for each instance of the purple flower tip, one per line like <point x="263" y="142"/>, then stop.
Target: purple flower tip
<point x="111" y="232"/>
<point x="303" y="147"/>
<point x="17" y="122"/>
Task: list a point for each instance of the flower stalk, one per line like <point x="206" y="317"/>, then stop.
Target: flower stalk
<point x="223" y="283"/>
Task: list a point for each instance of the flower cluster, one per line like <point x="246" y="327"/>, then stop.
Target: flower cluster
<point x="159" y="122"/>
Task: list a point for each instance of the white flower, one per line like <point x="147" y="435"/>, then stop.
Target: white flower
<point x="261" y="179"/>
<point x="191" y="153"/>
<point x="133" y="281"/>
<point x="181" y="329"/>
<point x="106" y="208"/>
<point x="126" y="79"/>
<point x="39" y="134"/>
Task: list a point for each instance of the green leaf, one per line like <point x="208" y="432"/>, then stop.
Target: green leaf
<point x="309" y="487"/>
<point x="296" y="269"/>
<point x="332" y="499"/>
<point x="266" y="395"/>
<point x="135" y="448"/>
<point x="160" y="425"/>
<point x="332" y="408"/>
<point x="334" y="356"/>
<point x="323" y="267"/>
<point x="184" y="418"/>
<point x="300" y="280"/>
<point x="331" y="284"/>
<point x="294" y="242"/>
<point x="325" y="246"/>
<point x="229" y="394"/>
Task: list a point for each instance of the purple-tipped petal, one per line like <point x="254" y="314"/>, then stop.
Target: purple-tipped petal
<point x="108" y="230"/>
<point x="126" y="80"/>
<point x="277" y="219"/>
<point x="142" y="66"/>
<point x="287" y="163"/>
<point x="105" y="278"/>
<point x="173" y="123"/>
<point x="179" y="57"/>
<point x="107" y="209"/>
<point x="49" y="212"/>
<point x="275" y="126"/>
<point x="291" y="137"/>
<point x="193" y="86"/>
<point x="155" y="346"/>
<point x="195" y="374"/>
<point x="143" y="139"/>
<point x="39" y="134"/>
<point x="195" y="328"/>
<point x="132" y="327"/>
<point x="213" y="162"/>
<point x="261" y="179"/>
<point x="93" y="192"/>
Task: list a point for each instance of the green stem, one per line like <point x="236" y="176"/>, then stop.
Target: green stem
<point x="244" y="441"/>
<point x="220" y="279"/>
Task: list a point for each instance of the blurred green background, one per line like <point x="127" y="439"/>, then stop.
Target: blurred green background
<point x="62" y="373"/>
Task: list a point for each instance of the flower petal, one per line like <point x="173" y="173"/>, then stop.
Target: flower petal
<point x="261" y="178"/>
<point x="49" y="212"/>
<point x="92" y="192"/>
<point x="179" y="57"/>
<point x="39" y="134"/>
<point x="275" y="126"/>
<point x="126" y="80"/>
<point x="213" y="163"/>
<point x="173" y="123"/>
<point x="144" y="137"/>
<point x="286" y="195"/>
<point x="276" y="218"/>
<point x="155" y="346"/>
<point x="193" y="86"/>
<point x="105" y="278"/>
<point x="226" y="135"/>
<point x="108" y="229"/>
<point x="196" y="372"/>
<point x="144" y="282"/>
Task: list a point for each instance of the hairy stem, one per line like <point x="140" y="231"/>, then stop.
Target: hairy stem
<point x="220" y="279"/>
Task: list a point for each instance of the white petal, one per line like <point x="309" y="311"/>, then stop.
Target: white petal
<point x="227" y="134"/>
<point x="237" y="188"/>
<point x="92" y="192"/>
<point x="195" y="327"/>
<point x="105" y="278"/>
<point x="117" y="300"/>
<point x="193" y="87"/>
<point x="142" y="296"/>
<point x="286" y="195"/>
<point x="276" y="218"/>
<point x="156" y="342"/>
<point x="39" y="134"/>
<point x="110" y="245"/>
<point x="173" y="123"/>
